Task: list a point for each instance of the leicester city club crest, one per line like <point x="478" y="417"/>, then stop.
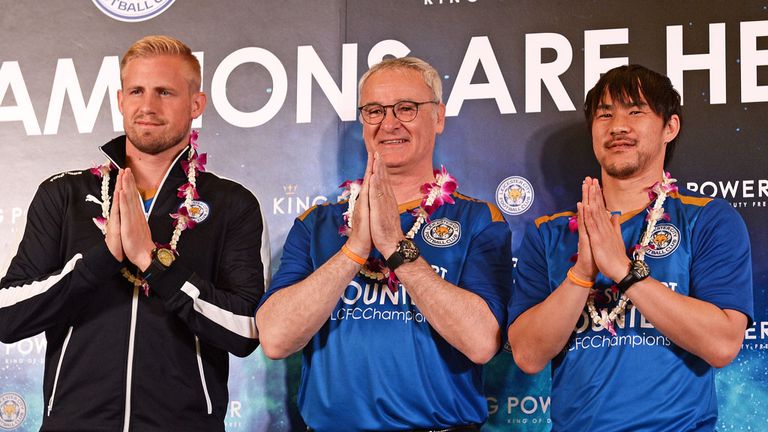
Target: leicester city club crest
<point x="442" y="232"/>
<point x="514" y="195"/>
<point x="665" y="239"/>
<point x="13" y="410"/>
<point x="198" y="211"/>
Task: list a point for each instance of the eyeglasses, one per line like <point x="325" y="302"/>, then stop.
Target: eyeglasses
<point x="404" y="111"/>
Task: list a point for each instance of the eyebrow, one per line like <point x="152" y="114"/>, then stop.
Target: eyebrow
<point x="638" y="104"/>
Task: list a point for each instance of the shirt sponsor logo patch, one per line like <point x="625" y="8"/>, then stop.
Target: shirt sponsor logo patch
<point x="442" y="232"/>
<point x="514" y="195"/>
<point x="13" y="410"/>
<point x="665" y="239"/>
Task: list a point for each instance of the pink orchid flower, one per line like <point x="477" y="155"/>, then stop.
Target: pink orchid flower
<point x="197" y="161"/>
<point x="187" y="187"/>
<point x="573" y="223"/>
<point x="101" y="223"/>
<point x="193" y="139"/>
<point x="183" y="218"/>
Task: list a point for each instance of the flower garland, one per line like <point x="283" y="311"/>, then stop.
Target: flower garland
<point x="182" y="220"/>
<point x="435" y="193"/>
<point x="659" y="192"/>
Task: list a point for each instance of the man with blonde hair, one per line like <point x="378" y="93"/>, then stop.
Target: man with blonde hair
<point x="143" y="272"/>
<point x="397" y="295"/>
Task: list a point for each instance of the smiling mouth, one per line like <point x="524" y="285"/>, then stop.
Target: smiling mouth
<point x="620" y="144"/>
<point x="393" y="141"/>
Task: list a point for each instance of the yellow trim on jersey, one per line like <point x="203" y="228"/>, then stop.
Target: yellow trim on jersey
<point x="404" y="207"/>
<point x="496" y="215"/>
<point x="686" y="199"/>
<point x="543" y="219"/>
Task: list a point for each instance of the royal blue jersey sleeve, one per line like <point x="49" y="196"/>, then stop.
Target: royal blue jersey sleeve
<point x="531" y="281"/>
<point x="721" y="272"/>
<point x="296" y="262"/>
<point x="488" y="268"/>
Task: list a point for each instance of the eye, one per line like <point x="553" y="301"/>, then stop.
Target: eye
<point x="604" y="115"/>
<point x="406" y="108"/>
<point x="164" y="92"/>
<point x="134" y="91"/>
<point x="374" y="111"/>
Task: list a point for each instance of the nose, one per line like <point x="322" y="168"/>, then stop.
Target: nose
<point x="390" y="122"/>
<point x="619" y="124"/>
<point x="148" y="103"/>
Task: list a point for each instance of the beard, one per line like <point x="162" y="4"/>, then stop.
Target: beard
<point x="626" y="169"/>
<point x="153" y="144"/>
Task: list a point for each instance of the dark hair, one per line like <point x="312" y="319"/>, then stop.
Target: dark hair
<point x="627" y="85"/>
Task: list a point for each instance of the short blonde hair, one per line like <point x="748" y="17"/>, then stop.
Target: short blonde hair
<point x="154" y="45"/>
<point x="428" y="73"/>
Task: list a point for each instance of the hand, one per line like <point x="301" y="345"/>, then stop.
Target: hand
<point x="360" y="237"/>
<point x="134" y="229"/>
<point x="585" y="266"/>
<point x="385" y="218"/>
<point x="112" y="238"/>
<point x="604" y="230"/>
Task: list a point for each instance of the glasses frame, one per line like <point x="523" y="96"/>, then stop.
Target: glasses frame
<point x="394" y="112"/>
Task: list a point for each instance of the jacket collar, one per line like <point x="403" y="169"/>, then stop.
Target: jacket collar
<point x="114" y="150"/>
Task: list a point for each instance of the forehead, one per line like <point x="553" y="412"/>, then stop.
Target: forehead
<point x="156" y="68"/>
<point x="622" y="99"/>
<point x="393" y="85"/>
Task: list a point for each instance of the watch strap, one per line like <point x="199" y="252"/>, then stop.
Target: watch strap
<point x="395" y="260"/>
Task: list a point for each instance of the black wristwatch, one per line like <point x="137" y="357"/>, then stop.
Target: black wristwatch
<point x="406" y="252"/>
<point x="638" y="270"/>
<point x="162" y="258"/>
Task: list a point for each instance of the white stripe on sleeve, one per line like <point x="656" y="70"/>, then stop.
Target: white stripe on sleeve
<point x="16" y="294"/>
<point x="244" y="326"/>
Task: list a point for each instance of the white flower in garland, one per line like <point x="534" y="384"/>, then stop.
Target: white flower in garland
<point x="659" y="191"/>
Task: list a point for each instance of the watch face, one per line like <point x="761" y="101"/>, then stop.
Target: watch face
<point x="640" y="269"/>
<point x="165" y="256"/>
<point x="408" y="249"/>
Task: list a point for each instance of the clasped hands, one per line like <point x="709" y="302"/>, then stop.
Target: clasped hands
<point x="128" y="234"/>
<point x="375" y="220"/>
<point x="601" y="246"/>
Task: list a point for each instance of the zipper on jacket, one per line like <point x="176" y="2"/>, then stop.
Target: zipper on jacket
<point x="129" y="372"/>
<point x="202" y="376"/>
<point x="58" y="370"/>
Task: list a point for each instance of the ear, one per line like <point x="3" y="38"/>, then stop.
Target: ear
<point x="672" y="128"/>
<point x="120" y="101"/>
<point x="199" y="100"/>
<point x="440" y="121"/>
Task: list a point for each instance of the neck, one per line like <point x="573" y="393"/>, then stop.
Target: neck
<point x="626" y="195"/>
<point x="148" y="169"/>
<point x="407" y="186"/>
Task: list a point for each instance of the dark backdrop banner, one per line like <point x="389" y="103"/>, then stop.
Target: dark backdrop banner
<point x="281" y="78"/>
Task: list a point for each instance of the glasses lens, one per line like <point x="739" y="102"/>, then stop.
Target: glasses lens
<point x="406" y="111"/>
<point x="373" y="113"/>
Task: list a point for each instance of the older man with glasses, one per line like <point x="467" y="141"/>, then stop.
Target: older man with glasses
<point x="396" y="295"/>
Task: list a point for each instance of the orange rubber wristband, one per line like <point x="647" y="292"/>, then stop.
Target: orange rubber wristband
<point x="578" y="281"/>
<point x="353" y="256"/>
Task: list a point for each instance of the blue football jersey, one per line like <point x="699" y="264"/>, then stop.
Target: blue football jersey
<point x="639" y="380"/>
<point x="377" y="364"/>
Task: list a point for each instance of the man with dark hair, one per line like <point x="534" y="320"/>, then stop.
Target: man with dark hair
<point x="642" y="291"/>
<point x="396" y="296"/>
<point x="143" y="272"/>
